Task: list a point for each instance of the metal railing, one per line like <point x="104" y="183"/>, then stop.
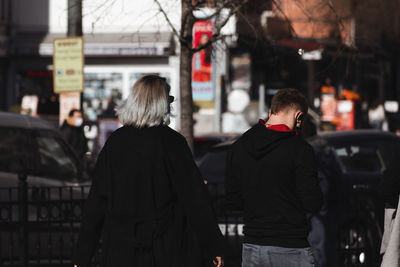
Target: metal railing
<point x="39" y="225"/>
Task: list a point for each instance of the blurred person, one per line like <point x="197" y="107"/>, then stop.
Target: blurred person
<point x="271" y="173"/>
<point x="73" y="133"/>
<point x="390" y="191"/>
<point x="376" y="115"/>
<point x="147" y="196"/>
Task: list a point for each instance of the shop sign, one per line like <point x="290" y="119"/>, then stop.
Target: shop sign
<point x="68" y="101"/>
<point x="328" y="107"/>
<point x="68" y="62"/>
<point x="202" y="80"/>
<point x="241" y="77"/>
<point x="29" y="105"/>
<point x="346" y="115"/>
<point x="391" y="106"/>
<point x="312" y="55"/>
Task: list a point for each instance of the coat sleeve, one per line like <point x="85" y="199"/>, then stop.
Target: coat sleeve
<point x="390" y="184"/>
<point x="93" y="214"/>
<point x="233" y="192"/>
<point x="191" y="192"/>
<point x="307" y="183"/>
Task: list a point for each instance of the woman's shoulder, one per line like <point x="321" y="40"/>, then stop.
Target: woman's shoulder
<point x="171" y="135"/>
<point x="165" y="133"/>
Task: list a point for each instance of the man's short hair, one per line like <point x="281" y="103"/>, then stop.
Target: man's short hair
<point x="289" y="98"/>
<point x="72" y="111"/>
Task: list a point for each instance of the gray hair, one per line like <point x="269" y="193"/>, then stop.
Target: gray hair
<point x="147" y="103"/>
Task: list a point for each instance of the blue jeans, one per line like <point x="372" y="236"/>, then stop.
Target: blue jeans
<point x="268" y="256"/>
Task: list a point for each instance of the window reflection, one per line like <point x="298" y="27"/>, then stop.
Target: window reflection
<point x="54" y="161"/>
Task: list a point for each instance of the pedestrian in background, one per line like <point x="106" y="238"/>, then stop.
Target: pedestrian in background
<point x="147" y="194"/>
<point x="73" y="133"/>
<point x="271" y="174"/>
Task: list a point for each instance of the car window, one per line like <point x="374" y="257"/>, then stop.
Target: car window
<point x="55" y="159"/>
<point x="373" y="156"/>
<point x="14" y="150"/>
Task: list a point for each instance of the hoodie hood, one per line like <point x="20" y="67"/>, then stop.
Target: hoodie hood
<point x="260" y="140"/>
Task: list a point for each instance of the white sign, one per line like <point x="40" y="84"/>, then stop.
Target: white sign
<point x="68" y="101"/>
<point x="345" y="106"/>
<point x="391" y="106"/>
<point x="29" y="105"/>
<point x="312" y="55"/>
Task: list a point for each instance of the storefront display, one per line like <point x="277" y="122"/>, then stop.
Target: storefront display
<point x="103" y="92"/>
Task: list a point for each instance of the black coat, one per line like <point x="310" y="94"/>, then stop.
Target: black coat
<point x="75" y="137"/>
<point x="390" y="184"/>
<point x="150" y="200"/>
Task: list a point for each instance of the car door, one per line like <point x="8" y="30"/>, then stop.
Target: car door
<point x="55" y="163"/>
<point x="16" y="155"/>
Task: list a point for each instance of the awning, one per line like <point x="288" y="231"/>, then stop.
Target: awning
<point x="300" y="44"/>
<point x="101" y="44"/>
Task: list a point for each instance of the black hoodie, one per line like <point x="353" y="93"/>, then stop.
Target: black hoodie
<point x="272" y="175"/>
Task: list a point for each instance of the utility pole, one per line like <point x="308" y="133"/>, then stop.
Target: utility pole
<point x="71" y="99"/>
<point x="74" y="18"/>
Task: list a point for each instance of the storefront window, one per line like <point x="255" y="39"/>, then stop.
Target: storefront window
<point x="103" y="92"/>
<point x="39" y="83"/>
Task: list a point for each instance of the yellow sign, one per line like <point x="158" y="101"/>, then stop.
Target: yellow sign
<point x="68" y="61"/>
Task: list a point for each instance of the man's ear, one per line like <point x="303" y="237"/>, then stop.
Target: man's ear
<point x="299" y="116"/>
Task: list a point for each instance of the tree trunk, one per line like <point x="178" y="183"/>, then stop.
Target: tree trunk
<point x="185" y="73"/>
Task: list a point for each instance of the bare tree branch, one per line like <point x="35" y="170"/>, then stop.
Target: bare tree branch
<point x="107" y="4"/>
<point x="218" y="11"/>
<point x="216" y="35"/>
<point x="339" y="19"/>
<point x="179" y="36"/>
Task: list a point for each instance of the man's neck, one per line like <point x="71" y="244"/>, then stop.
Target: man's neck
<point x="276" y="119"/>
<point x="70" y="122"/>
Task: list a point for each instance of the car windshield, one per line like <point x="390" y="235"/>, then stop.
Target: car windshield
<point x="372" y="156"/>
<point x="54" y="158"/>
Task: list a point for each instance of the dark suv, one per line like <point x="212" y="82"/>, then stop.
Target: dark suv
<point x="42" y="189"/>
<point x="33" y="147"/>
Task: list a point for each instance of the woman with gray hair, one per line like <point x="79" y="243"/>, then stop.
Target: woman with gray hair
<point x="147" y="196"/>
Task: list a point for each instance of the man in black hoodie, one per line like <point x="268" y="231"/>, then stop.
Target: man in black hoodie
<point x="271" y="174"/>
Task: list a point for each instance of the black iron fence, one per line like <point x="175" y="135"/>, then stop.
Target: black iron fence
<point x="39" y="225"/>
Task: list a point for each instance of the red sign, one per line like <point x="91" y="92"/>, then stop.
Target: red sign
<point x="201" y="61"/>
<point x="346" y="115"/>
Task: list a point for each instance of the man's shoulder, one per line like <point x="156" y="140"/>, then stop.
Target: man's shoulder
<point x="302" y="147"/>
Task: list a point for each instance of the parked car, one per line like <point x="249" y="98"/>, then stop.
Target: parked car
<point x="49" y="205"/>
<point x="203" y="143"/>
<point x="33" y="147"/>
<point x="348" y="229"/>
